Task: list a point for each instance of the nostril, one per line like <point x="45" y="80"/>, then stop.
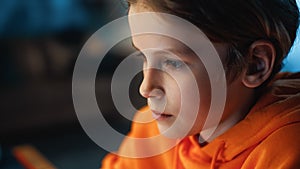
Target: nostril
<point x="155" y="93"/>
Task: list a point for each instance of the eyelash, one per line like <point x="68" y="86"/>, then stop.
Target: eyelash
<point x="175" y="64"/>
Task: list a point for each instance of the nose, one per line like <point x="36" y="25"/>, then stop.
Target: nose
<point x="152" y="84"/>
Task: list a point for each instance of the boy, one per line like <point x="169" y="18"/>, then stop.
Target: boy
<point x="261" y="118"/>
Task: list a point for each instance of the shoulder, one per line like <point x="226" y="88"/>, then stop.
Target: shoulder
<point x="281" y="149"/>
<point x="284" y="140"/>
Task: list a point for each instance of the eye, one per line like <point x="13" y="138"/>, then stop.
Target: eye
<point x="172" y="63"/>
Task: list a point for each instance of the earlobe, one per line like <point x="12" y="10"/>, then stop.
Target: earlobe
<point x="260" y="63"/>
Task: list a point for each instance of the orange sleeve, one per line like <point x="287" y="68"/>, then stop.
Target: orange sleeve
<point x="281" y="150"/>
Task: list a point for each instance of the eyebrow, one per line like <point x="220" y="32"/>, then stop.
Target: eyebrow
<point x="182" y="51"/>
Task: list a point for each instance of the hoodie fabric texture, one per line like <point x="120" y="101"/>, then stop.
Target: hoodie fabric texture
<point x="267" y="138"/>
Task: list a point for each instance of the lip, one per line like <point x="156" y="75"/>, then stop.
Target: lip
<point x="160" y="116"/>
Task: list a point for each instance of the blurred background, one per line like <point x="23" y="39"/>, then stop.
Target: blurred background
<point x="39" y="43"/>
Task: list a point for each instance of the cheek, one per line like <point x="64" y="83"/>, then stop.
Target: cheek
<point x="196" y="95"/>
<point x="173" y="94"/>
<point x="185" y="91"/>
<point x="194" y="108"/>
<point x="186" y="97"/>
<point x="204" y="88"/>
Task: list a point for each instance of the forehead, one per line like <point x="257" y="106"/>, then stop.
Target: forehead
<point x="151" y="40"/>
<point x="161" y="42"/>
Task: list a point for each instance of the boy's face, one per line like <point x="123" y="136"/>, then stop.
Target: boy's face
<point x="170" y="68"/>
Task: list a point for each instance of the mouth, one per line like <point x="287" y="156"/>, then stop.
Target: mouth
<point x="160" y="115"/>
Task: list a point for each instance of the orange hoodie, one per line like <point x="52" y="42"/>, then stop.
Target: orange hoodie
<point x="268" y="138"/>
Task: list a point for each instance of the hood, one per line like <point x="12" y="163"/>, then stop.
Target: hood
<point x="278" y="106"/>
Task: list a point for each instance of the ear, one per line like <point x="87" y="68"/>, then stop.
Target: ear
<point x="260" y="66"/>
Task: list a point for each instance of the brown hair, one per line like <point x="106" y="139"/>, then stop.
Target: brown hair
<point x="238" y="23"/>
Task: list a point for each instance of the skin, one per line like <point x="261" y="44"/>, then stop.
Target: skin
<point x="168" y="66"/>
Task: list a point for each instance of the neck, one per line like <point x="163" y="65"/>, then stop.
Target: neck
<point x="206" y="136"/>
<point x="240" y="99"/>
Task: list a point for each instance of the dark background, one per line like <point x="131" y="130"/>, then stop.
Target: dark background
<point x="39" y="43"/>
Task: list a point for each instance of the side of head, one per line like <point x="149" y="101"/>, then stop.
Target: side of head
<point x="251" y="37"/>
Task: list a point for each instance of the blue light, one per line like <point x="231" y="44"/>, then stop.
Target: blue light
<point x="292" y="62"/>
